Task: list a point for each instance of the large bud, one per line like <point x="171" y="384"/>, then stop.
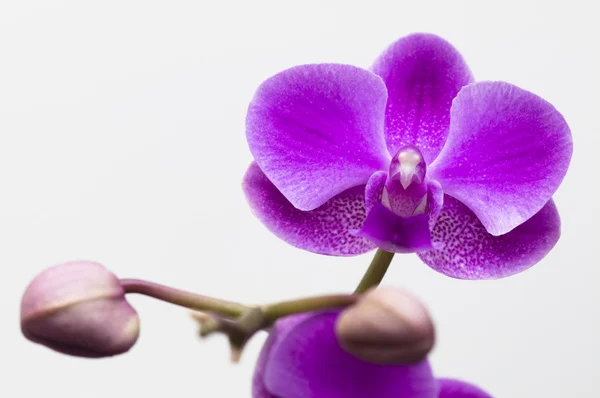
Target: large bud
<point x="386" y="326"/>
<point x="79" y="308"/>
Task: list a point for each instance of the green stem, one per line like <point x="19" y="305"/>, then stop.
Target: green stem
<point x="272" y="312"/>
<point x="376" y="271"/>
<point x="189" y="300"/>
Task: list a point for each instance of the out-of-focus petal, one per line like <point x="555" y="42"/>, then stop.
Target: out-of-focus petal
<point x="317" y="130"/>
<point x="470" y="252"/>
<point x="506" y="154"/>
<point x="284" y="325"/>
<point x="309" y="362"/>
<point x="450" y="388"/>
<point x="325" y="230"/>
<point x="423" y="73"/>
<point x="396" y="234"/>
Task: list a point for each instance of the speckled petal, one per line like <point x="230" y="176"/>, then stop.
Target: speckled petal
<point x="423" y="73"/>
<point x="450" y="388"/>
<point x="506" y="154"/>
<point x="396" y="234"/>
<point x="308" y="362"/>
<point x="470" y="252"/>
<point x="435" y="202"/>
<point x="374" y="189"/>
<point x="317" y="130"/>
<point x="325" y="230"/>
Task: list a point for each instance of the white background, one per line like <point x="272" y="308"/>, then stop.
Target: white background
<point x="122" y="141"/>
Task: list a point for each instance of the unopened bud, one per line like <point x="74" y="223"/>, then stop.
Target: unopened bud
<point x="386" y="326"/>
<point x="79" y="308"/>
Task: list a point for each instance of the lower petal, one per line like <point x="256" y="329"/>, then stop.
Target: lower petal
<point x="470" y="252"/>
<point x="325" y="230"/>
<point x="309" y="362"/>
<point x="450" y="388"/>
<point x="396" y="234"/>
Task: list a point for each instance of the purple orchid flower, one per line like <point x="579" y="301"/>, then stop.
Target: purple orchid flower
<point x="412" y="156"/>
<point x="302" y="358"/>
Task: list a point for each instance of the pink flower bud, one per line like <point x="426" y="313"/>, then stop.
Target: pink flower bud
<point x="79" y="308"/>
<point x="386" y="326"/>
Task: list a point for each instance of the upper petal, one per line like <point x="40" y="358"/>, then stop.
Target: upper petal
<point x="423" y="73"/>
<point x="451" y="388"/>
<point x="309" y="362"/>
<point x="470" y="252"/>
<point x="325" y="230"/>
<point x="317" y="130"/>
<point x="506" y="154"/>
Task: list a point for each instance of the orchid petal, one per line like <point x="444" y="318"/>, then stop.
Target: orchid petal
<point x="396" y="234"/>
<point x="317" y="130"/>
<point x="374" y="189"/>
<point x="450" y="388"/>
<point x="309" y="362"/>
<point x="283" y="327"/>
<point x="325" y="230"/>
<point x="506" y="154"/>
<point x="470" y="252"/>
<point x="423" y="73"/>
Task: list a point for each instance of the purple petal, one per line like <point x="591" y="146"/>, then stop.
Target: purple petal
<point x="325" y="230"/>
<point x="435" y="202"/>
<point x="317" y="130"/>
<point x="283" y="327"/>
<point x="470" y="252"/>
<point x="309" y="362"/>
<point x="374" y="189"/>
<point x="450" y="388"/>
<point x="506" y="154"/>
<point x="396" y="234"/>
<point x="423" y="73"/>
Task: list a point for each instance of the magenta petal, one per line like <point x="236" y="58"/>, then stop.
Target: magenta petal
<point x="374" y="189"/>
<point x="450" y="388"/>
<point x="396" y="234"/>
<point x="309" y="362"/>
<point x="470" y="252"/>
<point x="435" y="202"/>
<point x="325" y="230"/>
<point x="317" y="130"/>
<point x="283" y="327"/>
<point x="423" y="73"/>
<point x="506" y="154"/>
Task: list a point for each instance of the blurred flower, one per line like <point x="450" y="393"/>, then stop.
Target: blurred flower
<point x="386" y="325"/>
<point x="412" y="156"/>
<point x="79" y="308"/>
<point x="303" y="359"/>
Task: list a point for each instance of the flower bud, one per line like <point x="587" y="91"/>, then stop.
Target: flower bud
<point x="79" y="308"/>
<point x="386" y="326"/>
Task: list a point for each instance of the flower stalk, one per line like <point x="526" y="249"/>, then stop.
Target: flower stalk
<point x="376" y="271"/>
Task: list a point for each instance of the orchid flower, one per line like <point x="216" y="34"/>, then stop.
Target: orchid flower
<point x="302" y="358"/>
<point x="411" y="156"/>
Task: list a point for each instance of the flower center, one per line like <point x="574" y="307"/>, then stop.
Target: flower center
<point x="405" y="191"/>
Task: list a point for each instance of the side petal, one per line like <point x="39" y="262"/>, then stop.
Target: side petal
<point x="396" y="234"/>
<point x="325" y="230"/>
<point x="435" y="202"/>
<point x="423" y="73"/>
<point x="374" y="189"/>
<point x="470" y="252"/>
<point x="506" y="154"/>
<point x="309" y="362"/>
<point x="317" y="130"/>
<point x="450" y="388"/>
